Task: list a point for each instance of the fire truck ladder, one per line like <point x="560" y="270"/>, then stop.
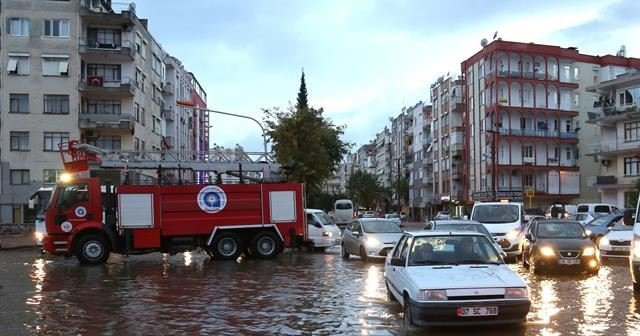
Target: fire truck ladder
<point x="77" y="157"/>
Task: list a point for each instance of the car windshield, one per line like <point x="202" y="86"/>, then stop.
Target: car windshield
<point x="621" y="227"/>
<point x="453" y="250"/>
<point x="381" y="226"/>
<point x="496" y="213"/>
<point x="560" y="230"/>
<point x="463" y="227"/>
<point x="600" y="221"/>
<point x="324" y="218"/>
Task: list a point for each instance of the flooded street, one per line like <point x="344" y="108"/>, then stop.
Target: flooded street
<point x="295" y="294"/>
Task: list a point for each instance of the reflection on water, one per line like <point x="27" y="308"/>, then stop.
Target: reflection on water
<point x="295" y="294"/>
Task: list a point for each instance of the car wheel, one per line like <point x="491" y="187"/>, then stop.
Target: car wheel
<point x="266" y="245"/>
<point x="406" y="310"/>
<point x="390" y="296"/>
<point x="363" y="253"/>
<point x="533" y="268"/>
<point x="345" y="253"/>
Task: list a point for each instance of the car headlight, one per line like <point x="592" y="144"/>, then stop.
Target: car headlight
<point x="513" y="234"/>
<point x="588" y="232"/>
<point x="604" y="241"/>
<point x="588" y="251"/>
<point x="39" y="235"/>
<point x="370" y="242"/>
<point x="516" y="293"/>
<point x="547" y="251"/>
<point x="432" y="295"/>
<point x="327" y="234"/>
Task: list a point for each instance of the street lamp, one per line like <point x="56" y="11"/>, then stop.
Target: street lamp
<point x="264" y="132"/>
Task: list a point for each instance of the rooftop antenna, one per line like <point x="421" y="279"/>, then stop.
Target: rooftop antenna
<point x="484" y="42"/>
<point x="495" y="35"/>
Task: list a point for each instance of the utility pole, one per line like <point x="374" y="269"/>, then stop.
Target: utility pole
<point x="495" y="130"/>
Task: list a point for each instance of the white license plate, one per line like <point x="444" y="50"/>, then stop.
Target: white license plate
<point x="620" y="248"/>
<point x="478" y="311"/>
<point x="569" y="261"/>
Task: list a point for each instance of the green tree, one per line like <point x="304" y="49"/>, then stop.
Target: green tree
<point x="401" y="187"/>
<point x="364" y="189"/>
<point x="302" y="135"/>
<point x="631" y="198"/>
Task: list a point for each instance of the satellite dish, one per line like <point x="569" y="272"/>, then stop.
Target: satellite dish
<point x="484" y="42"/>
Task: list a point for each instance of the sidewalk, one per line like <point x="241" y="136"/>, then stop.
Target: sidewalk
<point x="16" y="241"/>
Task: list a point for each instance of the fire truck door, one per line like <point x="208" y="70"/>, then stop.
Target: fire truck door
<point x="73" y="204"/>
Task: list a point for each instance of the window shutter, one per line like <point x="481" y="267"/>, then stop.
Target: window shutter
<point x="13" y="64"/>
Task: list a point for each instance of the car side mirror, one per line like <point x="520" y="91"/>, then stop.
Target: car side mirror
<point x="628" y="217"/>
<point x="397" y="262"/>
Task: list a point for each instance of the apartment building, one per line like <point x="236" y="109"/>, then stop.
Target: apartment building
<point x="448" y="141"/>
<point x="616" y="150"/>
<point x="525" y="116"/>
<point x="383" y="157"/>
<point x="417" y="188"/>
<point x="427" y="161"/>
<point x="76" y="69"/>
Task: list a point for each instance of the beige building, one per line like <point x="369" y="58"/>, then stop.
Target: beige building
<point x="76" y="69"/>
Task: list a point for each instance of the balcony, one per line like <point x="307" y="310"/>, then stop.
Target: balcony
<point x="456" y="172"/>
<point x="170" y="141"/>
<point x="168" y="89"/>
<point x="169" y="115"/>
<point x="99" y="16"/>
<point x="605" y="180"/>
<point x="96" y="85"/>
<point x="114" y="52"/>
<point x="539" y="133"/>
<point x="609" y="115"/>
<point x="106" y="121"/>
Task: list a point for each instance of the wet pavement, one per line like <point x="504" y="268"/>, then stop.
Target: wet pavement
<point x="294" y="294"/>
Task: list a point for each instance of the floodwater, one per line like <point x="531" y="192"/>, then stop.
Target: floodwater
<point x="294" y="294"/>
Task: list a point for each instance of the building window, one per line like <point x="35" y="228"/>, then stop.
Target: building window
<point x="527" y="151"/>
<point x="20" y="176"/>
<point x="157" y="64"/>
<point x="19" y="141"/>
<point x="136" y="111"/>
<point x="143" y="51"/>
<point x="632" y="131"/>
<point x="56" y="28"/>
<point x="104" y="107"/>
<point x="109" y="142"/>
<point x="52" y="140"/>
<point x="576" y="73"/>
<point x="104" y="38"/>
<point x="18" y="103"/>
<point x="568" y="152"/>
<point x="136" y="144"/>
<point x="143" y="116"/>
<point x="56" y="104"/>
<point x="18" y="64"/>
<point x="156" y="125"/>
<point x="631" y="166"/>
<point x="527" y="180"/>
<point x="19" y="26"/>
<point x="51" y="176"/>
<point x="55" y="65"/>
<point x="108" y="72"/>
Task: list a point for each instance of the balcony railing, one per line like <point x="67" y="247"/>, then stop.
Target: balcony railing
<point x="538" y="133"/>
<point x="98" y="84"/>
<point x="609" y="179"/>
<point x="613" y="146"/>
<point x="113" y="121"/>
<point x="111" y="49"/>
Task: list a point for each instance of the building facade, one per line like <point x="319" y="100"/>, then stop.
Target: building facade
<point x="75" y="69"/>
<point x="525" y="112"/>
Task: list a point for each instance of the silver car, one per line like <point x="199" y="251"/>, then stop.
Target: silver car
<point x="370" y="238"/>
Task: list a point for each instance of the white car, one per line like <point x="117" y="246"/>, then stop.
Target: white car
<point x="368" y="214"/>
<point x="370" y="238"/>
<point x="583" y="217"/>
<point x="394" y="218"/>
<point x="322" y="230"/>
<point x="616" y="243"/>
<point x="451" y="278"/>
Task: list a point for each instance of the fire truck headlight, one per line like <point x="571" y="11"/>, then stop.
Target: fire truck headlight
<point x="65" y="178"/>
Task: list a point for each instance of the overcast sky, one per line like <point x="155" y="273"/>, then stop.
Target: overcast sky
<point x="363" y="60"/>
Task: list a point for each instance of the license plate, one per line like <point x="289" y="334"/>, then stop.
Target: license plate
<point x="620" y="248"/>
<point x="569" y="261"/>
<point x="477" y="311"/>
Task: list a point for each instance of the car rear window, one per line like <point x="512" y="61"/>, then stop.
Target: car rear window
<point x="343" y="206"/>
<point x="601" y="208"/>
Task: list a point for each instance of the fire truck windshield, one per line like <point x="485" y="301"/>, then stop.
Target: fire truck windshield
<point x="72" y="194"/>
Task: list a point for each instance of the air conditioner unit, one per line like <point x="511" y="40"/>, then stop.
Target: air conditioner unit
<point x="95" y="80"/>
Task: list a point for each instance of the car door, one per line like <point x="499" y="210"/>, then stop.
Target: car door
<point x="388" y="268"/>
<point x="398" y="274"/>
<point x="357" y="236"/>
<point x="350" y="240"/>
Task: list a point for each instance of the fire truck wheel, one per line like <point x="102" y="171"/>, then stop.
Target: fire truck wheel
<point x="92" y="249"/>
<point x="227" y="246"/>
<point x="265" y="245"/>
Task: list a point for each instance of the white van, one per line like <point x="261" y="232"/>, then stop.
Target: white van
<point x="322" y="231"/>
<point x="505" y="221"/>
<point x="598" y="208"/>
<point x="343" y="212"/>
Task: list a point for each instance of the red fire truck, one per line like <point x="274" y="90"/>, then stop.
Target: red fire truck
<point x="91" y="218"/>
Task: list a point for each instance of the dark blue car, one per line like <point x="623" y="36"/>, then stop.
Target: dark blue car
<point x="601" y="226"/>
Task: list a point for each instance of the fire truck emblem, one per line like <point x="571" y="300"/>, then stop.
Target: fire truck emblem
<point x="212" y="199"/>
<point x="81" y="211"/>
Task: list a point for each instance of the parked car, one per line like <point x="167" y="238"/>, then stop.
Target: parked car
<point x="394" y="218"/>
<point x="370" y="238"/>
<point x="440" y="215"/>
<point x="530" y="218"/>
<point x="463" y="225"/>
<point x="322" y="230"/>
<point x="617" y="242"/>
<point x="601" y="226"/>
<point x="559" y="244"/>
<point x="443" y="278"/>
<point x="583" y="217"/>
<point x="368" y="214"/>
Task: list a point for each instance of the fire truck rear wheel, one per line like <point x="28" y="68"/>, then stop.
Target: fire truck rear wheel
<point x="265" y="245"/>
<point x="92" y="249"/>
<point x="227" y="246"/>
